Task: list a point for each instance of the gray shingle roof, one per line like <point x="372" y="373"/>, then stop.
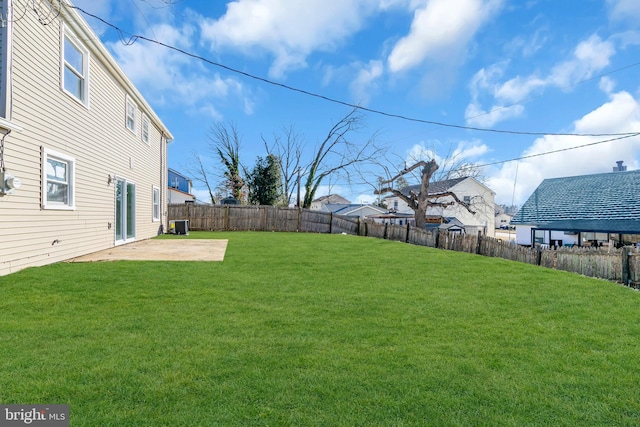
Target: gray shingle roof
<point x="607" y="202"/>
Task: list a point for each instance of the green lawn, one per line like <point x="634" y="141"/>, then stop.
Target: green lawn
<point x="326" y="330"/>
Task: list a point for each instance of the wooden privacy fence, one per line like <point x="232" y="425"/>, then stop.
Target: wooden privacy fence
<point x="621" y="265"/>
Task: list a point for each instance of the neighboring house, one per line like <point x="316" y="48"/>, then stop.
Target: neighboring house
<point x="353" y="210"/>
<point x="584" y="210"/>
<point x="179" y="191"/>
<point x="452" y="225"/>
<point x="479" y="197"/>
<point x="86" y="152"/>
<point x="318" y="204"/>
<point x="394" y="218"/>
<point x="503" y="220"/>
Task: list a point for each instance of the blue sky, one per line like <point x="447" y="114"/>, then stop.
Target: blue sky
<point x="547" y="67"/>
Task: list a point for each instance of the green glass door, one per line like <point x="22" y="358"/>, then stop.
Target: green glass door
<point x="125" y="210"/>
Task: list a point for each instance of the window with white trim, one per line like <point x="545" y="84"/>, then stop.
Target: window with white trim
<point x="75" y="67"/>
<point x="58" y="180"/>
<point x="132" y="115"/>
<point x="156" y="204"/>
<point x="145" y="128"/>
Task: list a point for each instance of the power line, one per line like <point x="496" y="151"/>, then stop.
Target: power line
<point x="133" y="38"/>
<point x="552" y="152"/>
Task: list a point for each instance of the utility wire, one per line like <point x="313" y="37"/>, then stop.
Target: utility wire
<point x="552" y="152"/>
<point x="133" y="38"/>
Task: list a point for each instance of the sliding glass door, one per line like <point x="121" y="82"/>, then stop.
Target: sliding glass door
<point x="125" y="211"/>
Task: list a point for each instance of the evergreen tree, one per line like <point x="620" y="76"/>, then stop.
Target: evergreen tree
<point x="264" y="181"/>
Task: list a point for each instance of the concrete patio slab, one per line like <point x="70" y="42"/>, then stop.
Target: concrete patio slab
<point x="162" y="250"/>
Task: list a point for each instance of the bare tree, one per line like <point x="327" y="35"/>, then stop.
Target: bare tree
<point x="421" y="200"/>
<point x="196" y="169"/>
<point x="224" y="143"/>
<point x="289" y="153"/>
<point x="337" y="153"/>
<point x="453" y="164"/>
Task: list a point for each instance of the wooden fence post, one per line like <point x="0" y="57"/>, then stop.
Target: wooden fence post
<point x="264" y="218"/>
<point x="384" y="236"/>
<point x="539" y="256"/>
<point x="406" y="239"/>
<point x="226" y="218"/>
<point x="625" y="265"/>
<point x="330" y="222"/>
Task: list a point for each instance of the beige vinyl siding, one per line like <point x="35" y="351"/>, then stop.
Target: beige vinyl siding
<point x="95" y="136"/>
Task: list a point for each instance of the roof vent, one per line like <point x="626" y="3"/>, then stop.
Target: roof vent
<point x="619" y="168"/>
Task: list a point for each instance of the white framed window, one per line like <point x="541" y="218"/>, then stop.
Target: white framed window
<point x="75" y="67"/>
<point x="58" y="180"/>
<point x="156" y="204"/>
<point x="145" y="128"/>
<point x="131" y="115"/>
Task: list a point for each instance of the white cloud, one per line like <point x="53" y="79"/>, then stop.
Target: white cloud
<point x="439" y="30"/>
<point x="361" y="198"/>
<point x="476" y="116"/>
<point x="169" y="76"/>
<point x="620" y="114"/>
<point x="364" y="84"/>
<point x="463" y="153"/>
<point x="288" y="29"/>
<point x="589" y="57"/>
<point x="624" y="10"/>
<point x="607" y="85"/>
<point x="325" y="190"/>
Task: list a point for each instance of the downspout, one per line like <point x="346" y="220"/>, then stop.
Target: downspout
<point x="163" y="188"/>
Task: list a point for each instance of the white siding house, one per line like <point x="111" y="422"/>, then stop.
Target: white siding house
<point x="479" y="197"/>
<point x="319" y="203"/>
<point x="585" y="210"/>
<point x="88" y="151"/>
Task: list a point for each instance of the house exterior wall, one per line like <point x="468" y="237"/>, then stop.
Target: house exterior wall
<point x="502" y="219"/>
<point x="523" y="234"/>
<point x="179" y="181"/>
<point x="566" y="239"/>
<point x="178" y="197"/>
<point x="482" y="203"/>
<point x="94" y="135"/>
<point x="319" y="203"/>
<point x="363" y="212"/>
